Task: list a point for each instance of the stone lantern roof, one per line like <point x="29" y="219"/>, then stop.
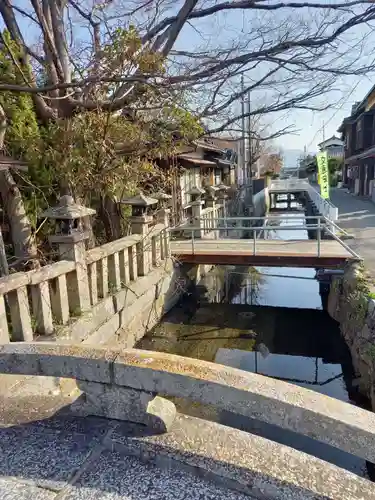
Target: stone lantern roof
<point x="161" y="196"/>
<point x="67" y="209"/>
<point x="196" y="191"/>
<point x="222" y="187"/>
<point x="140" y="200"/>
<point x="212" y="189"/>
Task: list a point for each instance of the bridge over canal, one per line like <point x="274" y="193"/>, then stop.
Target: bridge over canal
<point x="210" y="240"/>
<point x="328" y="250"/>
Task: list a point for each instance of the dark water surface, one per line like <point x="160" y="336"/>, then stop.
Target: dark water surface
<point x="268" y="321"/>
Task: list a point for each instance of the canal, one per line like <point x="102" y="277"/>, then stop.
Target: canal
<point x="268" y="321"/>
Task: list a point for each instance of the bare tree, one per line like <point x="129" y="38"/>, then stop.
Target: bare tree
<point x="93" y="56"/>
<point x="291" y="53"/>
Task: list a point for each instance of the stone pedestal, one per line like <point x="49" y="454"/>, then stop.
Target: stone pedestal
<point x="163" y="218"/>
<point x="72" y="247"/>
<point x="196" y="208"/>
<point x="211" y="202"/>
<point x="222" y="200"/>
<point x="140" y="225"/>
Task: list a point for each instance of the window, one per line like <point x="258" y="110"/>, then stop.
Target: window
<point x="347" y="140"/>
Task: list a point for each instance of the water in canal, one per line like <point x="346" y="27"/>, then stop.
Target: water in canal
<point x="269" y="321"/>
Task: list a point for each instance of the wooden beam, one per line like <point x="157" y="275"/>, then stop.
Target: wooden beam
<point x="296" y="260"/>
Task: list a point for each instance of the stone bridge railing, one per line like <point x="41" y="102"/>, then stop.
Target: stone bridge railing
<point x="124" y="384"/>
<point x="39" y="302"/>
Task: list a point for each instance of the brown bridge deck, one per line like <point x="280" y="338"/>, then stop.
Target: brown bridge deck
<point x="284" y="253"/>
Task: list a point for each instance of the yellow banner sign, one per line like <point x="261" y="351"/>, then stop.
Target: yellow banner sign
<point x="322" y="160"/>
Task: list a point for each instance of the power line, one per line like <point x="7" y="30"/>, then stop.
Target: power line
<point x="354" y="88"/>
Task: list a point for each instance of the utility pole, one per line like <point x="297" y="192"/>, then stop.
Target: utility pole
<point x="249" y="156"/>
<point x="324" y="132"/>
<point x="243" y="136"/>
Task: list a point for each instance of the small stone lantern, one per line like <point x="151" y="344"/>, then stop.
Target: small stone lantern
<point x="162" y="215"/>
<point x="69" y="220"/>
<point x="222" y="191"/>
<point x="70" y="237"/>
<point x="211" y="192"/>
<point x="163" y="199"/>
<point x="196" y="194"/>
<point x="141" y="207"/>
<point x="140" y="220"/>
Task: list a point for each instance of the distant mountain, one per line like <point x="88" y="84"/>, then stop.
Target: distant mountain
<point x="291" y="157"/>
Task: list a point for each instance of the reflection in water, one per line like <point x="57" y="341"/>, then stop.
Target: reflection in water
<point x="289" y="338"/>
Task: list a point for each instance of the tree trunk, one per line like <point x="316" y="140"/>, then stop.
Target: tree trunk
<point x="4" y="269"/>
<point x="111" y="218"/>
<point x="22" y="238"/>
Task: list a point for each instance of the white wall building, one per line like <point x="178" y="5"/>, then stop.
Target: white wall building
<point x="334" y="147"/>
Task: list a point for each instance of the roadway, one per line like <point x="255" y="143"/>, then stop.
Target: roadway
<point x="357" y="216"/>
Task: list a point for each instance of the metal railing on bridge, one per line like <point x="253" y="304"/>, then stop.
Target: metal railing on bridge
<point x="325" y="207"/>
<point x="288" y="185"/>
<point x="225" y="228"/>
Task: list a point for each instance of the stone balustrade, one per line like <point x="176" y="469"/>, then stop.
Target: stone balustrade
<point x="124" y="384"/>
<point x="39" y="302"/>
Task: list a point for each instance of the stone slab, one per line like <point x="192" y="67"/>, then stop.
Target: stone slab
<point x="117" y="477"/>
<point x="244" y="462"/>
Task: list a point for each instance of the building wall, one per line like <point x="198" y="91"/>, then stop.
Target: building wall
<point x="335" y="151"/>
<point x="359" y="135"/>
<point x="189" y="178"/>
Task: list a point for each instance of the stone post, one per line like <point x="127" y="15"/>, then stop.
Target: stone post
<point x="222" y="197"/>
<point x="196" y="209"/>
<point x="163" y="218"/>
<point x="140" y="225"/>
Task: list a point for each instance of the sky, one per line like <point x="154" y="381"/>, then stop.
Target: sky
<point x="311" y="127"/>
<point x="315" y="126"/>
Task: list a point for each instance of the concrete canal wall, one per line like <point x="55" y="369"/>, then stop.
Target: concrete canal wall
<point x="349" y="304"/>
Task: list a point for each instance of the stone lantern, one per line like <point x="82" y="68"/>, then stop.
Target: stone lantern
<point x="142" y="207"/>
<point x="222" y="196"/>
<point x="162" y="215"/>
<point x="196" y="194"/>
<point x="222" y="191"/>
<point x="211" y="192"/>
<point x="70" y="236"/>
<point x="68" y="217"/>
<point x="163" y="198"/>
